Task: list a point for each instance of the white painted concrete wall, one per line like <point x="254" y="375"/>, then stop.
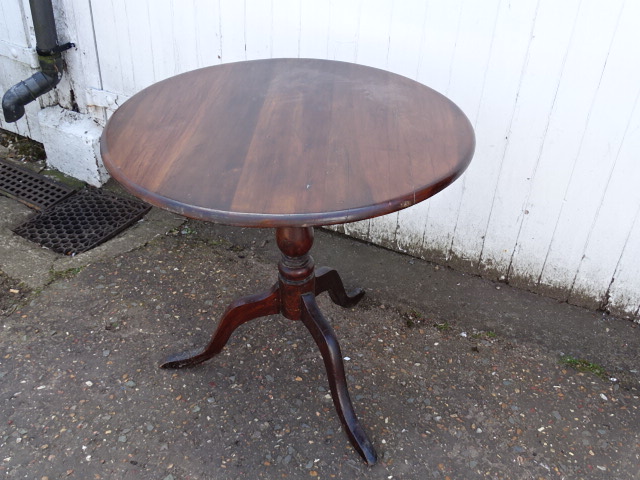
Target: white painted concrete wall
<point x="551" y="201"/>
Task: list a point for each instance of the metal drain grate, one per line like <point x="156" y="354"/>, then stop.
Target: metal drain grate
<point x="82" y="221"/>
<point x="30" y="188"/>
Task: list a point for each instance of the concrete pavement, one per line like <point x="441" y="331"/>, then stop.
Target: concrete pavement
<point x="452" y="376"/>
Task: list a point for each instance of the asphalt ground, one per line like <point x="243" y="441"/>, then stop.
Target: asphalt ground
<point x="451" y="375"/>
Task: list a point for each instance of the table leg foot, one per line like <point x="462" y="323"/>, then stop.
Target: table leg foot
<point x="239" y="312"/>
<point x="327" y="342"/>
<point x="328" y="279"/>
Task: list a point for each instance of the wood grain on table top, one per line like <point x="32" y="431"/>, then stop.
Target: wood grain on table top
<point x="287" y="142"/>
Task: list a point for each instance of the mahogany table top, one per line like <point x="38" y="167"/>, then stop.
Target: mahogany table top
<point x="287" y="142"/>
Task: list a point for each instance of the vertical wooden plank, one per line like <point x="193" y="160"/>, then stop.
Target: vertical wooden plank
<point x="207" y="19"/>
<point x="258" y="28"/>
<point x="140" y="46"/>
<point x="623" y="294"/>
<point x="608" y="247"/>
<point x="406" y="32"/>
<point x="82" y="61"/>
<point x="374" y="33"/>
<point x="478" y="53"/>
<point x="554" y="25"/>
<point x="107" y="38"/>
<point x="440" y="32"/>
<point x="232" y="31"/>
<point x="4" y="29"/>
<point x="581" y="77"/>
<point x="184" y="35"/>
<point x="162" y="36"/>
<point x="124" y="48"/>
<point x="511" y="42"/>
<point x="585" y="235"/>
<point x="27" y="23"/>
<point x="115" y="48"/>
<point x="470" y="57"/>
<point x="285" y="33"/>
<point x="12" y="26"/>
<point x="343" y="30"/>
<point x="315" y="19"/>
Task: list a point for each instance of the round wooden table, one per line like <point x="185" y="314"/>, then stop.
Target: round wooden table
<point x="288" y="144"/>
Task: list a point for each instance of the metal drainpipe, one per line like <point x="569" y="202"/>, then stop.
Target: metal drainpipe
<point x="49" y="57"/>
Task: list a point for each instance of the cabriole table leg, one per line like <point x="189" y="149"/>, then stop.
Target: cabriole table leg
<point x="327" y="342"/>
<point x="239" y="312"/>
<point x="328" y="280"/>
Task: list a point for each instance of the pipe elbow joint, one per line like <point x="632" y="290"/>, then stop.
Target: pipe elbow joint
<point x="14" y="99"/>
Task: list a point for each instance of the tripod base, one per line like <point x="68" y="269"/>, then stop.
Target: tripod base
<point x="294" y="296"/>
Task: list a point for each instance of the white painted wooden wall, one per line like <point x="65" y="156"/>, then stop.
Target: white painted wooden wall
<point x="551" y="200"/>
<point x="17" y="59"/>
